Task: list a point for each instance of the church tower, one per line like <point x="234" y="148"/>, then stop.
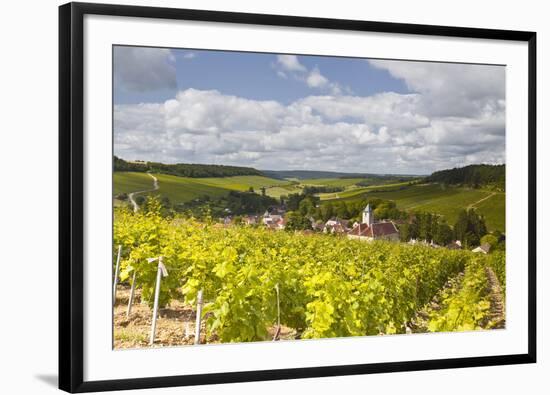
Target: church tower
<point x="368" y="216"/>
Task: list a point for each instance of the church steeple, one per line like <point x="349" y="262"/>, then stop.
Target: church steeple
<point x="368" y="216"/>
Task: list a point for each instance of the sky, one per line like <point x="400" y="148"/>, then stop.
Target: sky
<point x="298" y="112"/>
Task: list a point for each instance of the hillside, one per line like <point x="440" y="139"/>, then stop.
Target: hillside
<point x="192" y="170"/>
<point x="474" y="176"/>
<point x="315" y="175"/>
<point x="441" y="199"/>
<point x="184" y="189"/>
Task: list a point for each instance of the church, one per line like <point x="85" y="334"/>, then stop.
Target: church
<point x="369" y="229"/>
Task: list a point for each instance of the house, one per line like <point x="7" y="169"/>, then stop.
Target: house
<point x="376" y="231"/>
<point x="281" y="223"/>
<point x="250" y="220"/>
<point x="370" y="230"/>
<point x="269" y="218"/>
<point x="335" y="225"/>
<point x="455" y="245"/>
<point x="317" y="225"/>
<point x="483" y="249"/>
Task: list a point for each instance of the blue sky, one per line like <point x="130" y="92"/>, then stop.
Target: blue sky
<point x="297" y="112"/>
<point x="253" y="76"/>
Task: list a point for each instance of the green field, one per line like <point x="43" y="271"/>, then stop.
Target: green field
<point x="126" y="182"/>
<point x="494" y="209"/>
<point x="435" y="198"/>
<point x="183" y="189"/>
<point x="242" y="183"/>
<point x="279" y="191"/>
<point x="332" y="182"/>
<point x="354" y="192"/>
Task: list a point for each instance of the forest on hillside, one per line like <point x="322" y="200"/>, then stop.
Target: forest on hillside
<point x="474" y="176"/>
<point x="185" y="169"/>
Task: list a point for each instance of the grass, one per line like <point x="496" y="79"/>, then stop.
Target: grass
<point x="332" y="182"/>
<point x="243" y="183"/>
<point x="183" y="189"/>
<point x="446" y="201"/>
<point x="279" y="191"/>
<point x="494" y="209"/>
<point x="435" y="198"/>
<point x="358" y="192"/>
<point x="126" y="182"/>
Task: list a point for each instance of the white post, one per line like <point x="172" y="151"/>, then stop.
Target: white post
<point x="278" y="331"/>
<point x="198" y="320"/>
<point x="156" y="304"/>
<point x="131" y="299"/>
<point x="117" y="269"/>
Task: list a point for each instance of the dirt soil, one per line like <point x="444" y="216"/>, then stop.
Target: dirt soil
<point x="175" y="324"/>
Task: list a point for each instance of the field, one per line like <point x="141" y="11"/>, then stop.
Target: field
<point x="332" y="182"/>
<point x="314" y="286"/>
<point x="279" y="191"/>
<point x="242" y="183"/>
<point x="435" y="198"/>
<point x="493" y="209"/>
<point x="127" y="182"/>
<point x="183" y="189"/>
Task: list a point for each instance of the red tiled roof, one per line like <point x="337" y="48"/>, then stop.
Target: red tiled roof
<point x="377" y="229"/>
<point x="361" y="230"/>
<point x="383" y="229"/>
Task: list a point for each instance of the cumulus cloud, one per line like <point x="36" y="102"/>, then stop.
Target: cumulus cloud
<point x="290" y="63"/>
<point x="450" y="89"/>
<point x="382" y="133"/>
<point x="140" y="69"/>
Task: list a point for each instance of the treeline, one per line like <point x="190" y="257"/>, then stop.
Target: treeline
<point x="474" y="176"/>
<point x="469" y="228"/>
<point x="303" y="207"/>
<point x="185" y="169"/>
<point x="234" y="203"/>
<point x="310" y="190"/>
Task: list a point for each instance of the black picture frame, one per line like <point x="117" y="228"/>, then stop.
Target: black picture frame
<point x="71" y="173"/>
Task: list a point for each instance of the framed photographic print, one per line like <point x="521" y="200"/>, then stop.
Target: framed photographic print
<point x="253" y="197"/>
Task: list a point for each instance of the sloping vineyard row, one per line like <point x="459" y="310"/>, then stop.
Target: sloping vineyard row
<point x="328" y="286"/>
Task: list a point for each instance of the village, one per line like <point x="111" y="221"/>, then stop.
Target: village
<point x="369" y="229"/>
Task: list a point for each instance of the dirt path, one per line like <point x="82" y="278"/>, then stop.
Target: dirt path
<point x="497" y="315"/>
<point x="132" y="194"/>
<point x="482" y="200"/>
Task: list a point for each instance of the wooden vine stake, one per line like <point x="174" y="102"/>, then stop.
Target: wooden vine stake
<point x="131" y="298"/>
<point x="161" y="272"/>
<point x="278" y="332"/>
<point x="117" y="270"/>
<point x="198" y="320"/>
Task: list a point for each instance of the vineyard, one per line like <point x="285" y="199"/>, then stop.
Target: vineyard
<point x="257" y="284"/>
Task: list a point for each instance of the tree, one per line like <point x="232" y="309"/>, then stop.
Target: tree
<point x="251" y="189"/>
<point x="425" y="226"/>
<point x="139" y="200"/>
<point x="306" y="207"/>
<point x="327" y="211"/>
<point x="461" y="225"/>
<point x="404" y="232"/>
<point x="342" y="210"/>
<point x="296" y="221"/>
<point x="469" y="228"/>
<point x="443" y="234"/>
<point x="489" y="239"/>
<point x="263" y="190"/>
